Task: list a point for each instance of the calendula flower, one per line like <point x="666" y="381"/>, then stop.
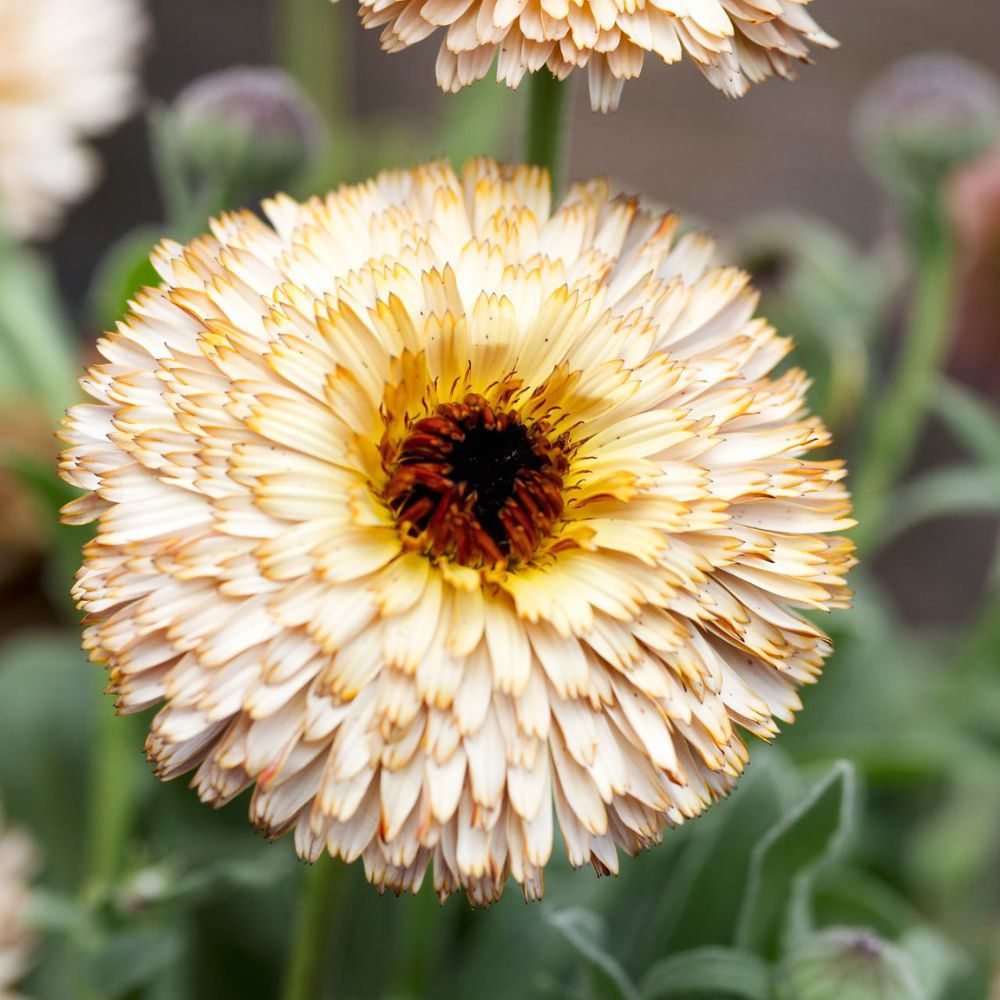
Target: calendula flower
<point x="735" y="43"/>
<point x="435" y="512"/>
<point x="16" y="938"/>
<point x="67" y="72"/>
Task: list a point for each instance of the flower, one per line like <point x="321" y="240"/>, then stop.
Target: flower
<point x="433" y="508"/>
<point x="67" y="72"/>
<point x="16" y="939"/>
<point x="735" y="43"/>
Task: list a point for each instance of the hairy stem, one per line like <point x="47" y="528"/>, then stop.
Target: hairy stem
<point x="314" y="49"/>
<point x="320" y="893"/>
<point x="546" y="123"/>
<point x="898" y="419"/>
<point x="112" y="796"/>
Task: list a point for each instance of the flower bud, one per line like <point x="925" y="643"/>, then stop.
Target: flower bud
<point x="250" y="128"/>
<point x="924" y="117"/>
<point x="974" y="201"/>
<point x="847" y="963"/>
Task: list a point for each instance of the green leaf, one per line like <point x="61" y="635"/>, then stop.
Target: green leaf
<point x="811" y="834"/>
<point x="586" y="931"/>
<point x="46" y="690"/>
<point x="57" y="911"/>
<point x="853" y="897"/>
<point x="123" y="271"/>
<point x="726" y="971"/>
<point x="164" y="884"/>
<point x="663" y="910"/>
<point x="132" y="958"/>
<point x="971" y="419"/>
<point x="35" y="338"/>
<point x="954" y="845"/>
<point x="951" y="491"/>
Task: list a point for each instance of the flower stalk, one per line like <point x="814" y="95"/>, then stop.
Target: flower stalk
<point x="112" y="797"/>
<point x="312" y="39"/>
<point x="899" y="416"/>
<point x="319" y="895"/>
<point x="546" y="124"/>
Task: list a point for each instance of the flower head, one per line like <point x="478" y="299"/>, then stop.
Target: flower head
<point x="735" y="43"/>
<point x="67" y="72"/>
<point x="17" y="856"/>
<point x="432" y="511"/>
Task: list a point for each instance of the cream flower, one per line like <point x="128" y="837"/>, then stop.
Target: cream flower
<point x="67" y="72"/>
<point x="16" y="939"/>
<point x="734" y="42"/>
<point x="435" y="513"/>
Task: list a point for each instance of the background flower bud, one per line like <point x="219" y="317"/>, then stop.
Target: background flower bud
<point x="249" y="128"/>
<point x="924" y="117"/>
<point x="847" y="963"/>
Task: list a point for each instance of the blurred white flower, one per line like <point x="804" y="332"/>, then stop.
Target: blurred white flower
<point x="17" y="859"/>
<point x="67" y="72"/>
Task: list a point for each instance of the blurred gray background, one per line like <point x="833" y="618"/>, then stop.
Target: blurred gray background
<point x="674" y="138"/>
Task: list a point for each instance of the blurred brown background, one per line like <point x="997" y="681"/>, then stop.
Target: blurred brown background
<point x="674" y="138"/>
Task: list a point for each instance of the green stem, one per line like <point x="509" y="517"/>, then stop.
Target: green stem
<point x="112" y="796"/>
<point x="314" y="49"/>
<point x="174" y="186"/>
<point x="546" y="123"/>
<point x="898" y="419"/>
<point x="982" y="636"/>
<point x="419" y="944"/>
<point x="320" y="894"/>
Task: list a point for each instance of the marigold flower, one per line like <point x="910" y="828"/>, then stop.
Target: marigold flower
<point x="429" y="510"/>
<point x="67" y="72"/>
<point x="735" y="43"/>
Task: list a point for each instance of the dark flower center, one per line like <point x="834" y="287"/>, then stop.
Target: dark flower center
<point x="477" y="484"/>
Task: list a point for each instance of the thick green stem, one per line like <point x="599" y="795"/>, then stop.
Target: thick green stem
<point x="546" y="123"/>
<point x="314" y="49"/>
<point x="982" y="637"/>
<point x="417" y="950"/>
<point x="898" y="419"/>
<point x="112" y="795"/>
<point x="311" y="935"/>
